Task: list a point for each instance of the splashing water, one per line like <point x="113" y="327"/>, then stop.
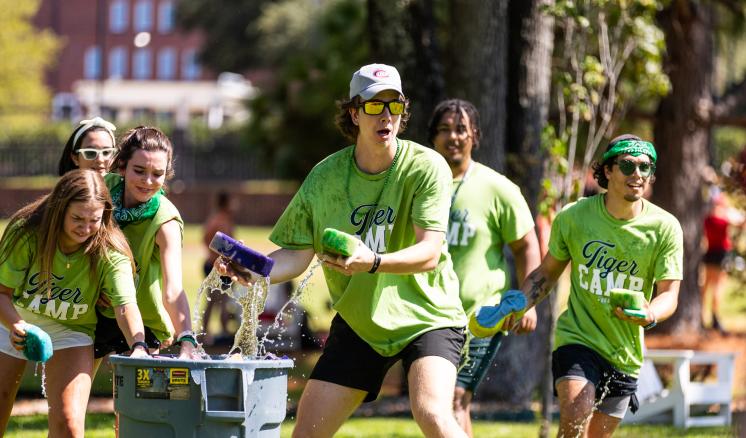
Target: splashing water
<point x="43" y="377"/>
<point x="211" y="283"/>
<point x="580" y="427"/>
<point x="293" y="300"/>
<point x="252" y="305"/>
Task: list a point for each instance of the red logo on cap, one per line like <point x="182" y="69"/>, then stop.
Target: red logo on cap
<point x="381" y="74"/>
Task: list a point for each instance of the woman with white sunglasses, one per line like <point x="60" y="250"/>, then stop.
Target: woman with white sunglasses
<point x="90" y="146"/>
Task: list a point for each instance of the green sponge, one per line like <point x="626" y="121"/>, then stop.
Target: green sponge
<point x="338" y="242"/>
<point x="630" y="301"/>
<point x="38" y="345"/>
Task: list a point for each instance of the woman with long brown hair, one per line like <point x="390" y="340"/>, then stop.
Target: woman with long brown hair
<point x="154" y="230"/>
<point x="57" y="255"/>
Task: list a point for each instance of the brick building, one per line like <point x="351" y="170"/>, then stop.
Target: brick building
<point x="126" y="59"/>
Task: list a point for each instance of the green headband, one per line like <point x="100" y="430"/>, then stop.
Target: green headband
<point x="632" y="147"/>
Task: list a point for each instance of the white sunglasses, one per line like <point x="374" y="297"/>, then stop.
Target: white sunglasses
<point x="92" y="154"/>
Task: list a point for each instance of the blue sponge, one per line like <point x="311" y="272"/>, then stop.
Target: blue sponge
<point x="241" y="255"/>
<point x="488" y="320"/>
<point x="38" y="346"/>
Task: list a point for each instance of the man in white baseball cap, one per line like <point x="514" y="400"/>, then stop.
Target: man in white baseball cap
<point x="374" y="78"/>
<point x="396" y="295"/>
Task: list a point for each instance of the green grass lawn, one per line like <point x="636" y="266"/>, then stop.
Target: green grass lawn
<point x="102" y="425"/>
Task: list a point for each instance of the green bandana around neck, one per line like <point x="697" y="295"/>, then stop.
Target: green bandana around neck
<point x="125" y="216"/>
<point x="632" y="147"/>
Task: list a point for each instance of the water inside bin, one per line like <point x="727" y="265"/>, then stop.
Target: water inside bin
<point x="224" y="389"/>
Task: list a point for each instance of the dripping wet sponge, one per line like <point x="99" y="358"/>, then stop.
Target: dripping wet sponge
<point x="338" y="242"/>
<point x="38" y="346"/>
<point x="241" y="255"/>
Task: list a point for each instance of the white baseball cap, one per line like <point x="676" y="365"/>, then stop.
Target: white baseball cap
<point x="371" y="79"/>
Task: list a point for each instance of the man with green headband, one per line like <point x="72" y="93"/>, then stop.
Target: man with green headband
<point x="612" y="240"/>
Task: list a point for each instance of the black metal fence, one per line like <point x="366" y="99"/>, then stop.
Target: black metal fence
<point x="205" y="162"/>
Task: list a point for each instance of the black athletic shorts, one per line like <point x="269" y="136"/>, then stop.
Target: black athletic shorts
<point x="349" y="361"/>
<point x="714" y="257"/>
<point x="109" y="338"/>
<point x="580" y="361"/>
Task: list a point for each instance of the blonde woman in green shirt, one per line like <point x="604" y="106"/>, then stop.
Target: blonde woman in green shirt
<point x="154" y="230"/>
<point x="396" y="296"/>
<point x="57" y="256"/>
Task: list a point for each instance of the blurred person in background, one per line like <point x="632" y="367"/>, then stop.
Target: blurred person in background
<point x="717" y="227"/>
<point x="221" y="220"/>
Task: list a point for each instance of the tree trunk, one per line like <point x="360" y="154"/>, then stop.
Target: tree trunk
<point x="523" y="360"/>
<point x="476" y="71"/>
<point x="682" y="136"/>
<point x="404" y="36"/>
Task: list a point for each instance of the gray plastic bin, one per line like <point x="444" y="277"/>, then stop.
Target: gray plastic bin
<point x="165" y="397"/>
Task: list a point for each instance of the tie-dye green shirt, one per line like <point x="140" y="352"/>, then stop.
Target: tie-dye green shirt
<point x="388" y="311"/>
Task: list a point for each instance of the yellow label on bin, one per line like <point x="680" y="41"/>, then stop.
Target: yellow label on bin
<point x="143" y="377"/>
<point x="179" y="376"/>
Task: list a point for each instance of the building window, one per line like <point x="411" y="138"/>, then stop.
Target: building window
<point x="118" y="16"/>
<point x="141" y="64"/>
<point x="166" y="18"/>
<point x="190" y="69"/>
<point x="143" y="15"/>
<point x="92" y="63"/>
<point x="118" y="63"/>
<point x="167" y="63"/>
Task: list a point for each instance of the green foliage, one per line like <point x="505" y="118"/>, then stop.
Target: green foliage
<point x="608" y="58"/>
<point x="25" y="52"/>
<point x="313" y="50"/>
<point x="229" y="28"/>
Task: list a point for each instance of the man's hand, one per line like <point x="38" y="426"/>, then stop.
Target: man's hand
<point x="360" y="261"/>
<point x="648" y="319"/>
<point x="527" y="324"/>
<point x="226" y="269"/>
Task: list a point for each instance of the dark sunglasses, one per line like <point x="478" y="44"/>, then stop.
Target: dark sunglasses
<point x="375" y="107"/>
<point x="628" y="167"/>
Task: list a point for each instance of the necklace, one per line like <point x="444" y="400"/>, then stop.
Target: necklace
<point x="385" y="181"/>
<point x="460" y="183"/>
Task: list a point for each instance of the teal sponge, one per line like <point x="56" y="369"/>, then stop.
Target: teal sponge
<point x="338" y="242"/>
<point x="38" y="345"/>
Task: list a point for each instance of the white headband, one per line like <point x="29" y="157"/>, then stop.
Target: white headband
<point x="96" y="121"/>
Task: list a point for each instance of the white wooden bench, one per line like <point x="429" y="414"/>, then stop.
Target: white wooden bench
<point x="676" y="402"/>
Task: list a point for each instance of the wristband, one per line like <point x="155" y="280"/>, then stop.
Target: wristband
<point x="652" y="324"/>
<point x="376" y="263"/>
<point x="139" y="344"/>
<point x="188" y="338"/>
<point x="186" y="333"/>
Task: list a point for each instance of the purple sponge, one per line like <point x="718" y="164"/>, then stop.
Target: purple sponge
<point x="241" y="255"/>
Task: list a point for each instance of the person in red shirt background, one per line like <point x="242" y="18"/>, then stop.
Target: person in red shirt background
<point x="716" y="230"/>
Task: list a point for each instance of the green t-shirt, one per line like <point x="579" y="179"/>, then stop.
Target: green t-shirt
<point x="388" y="311"/>
<point x="488" y="212"/>
<point x="149" y="279"/>
<point x="74" y="291"/>
<point x="609" y="253"/>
